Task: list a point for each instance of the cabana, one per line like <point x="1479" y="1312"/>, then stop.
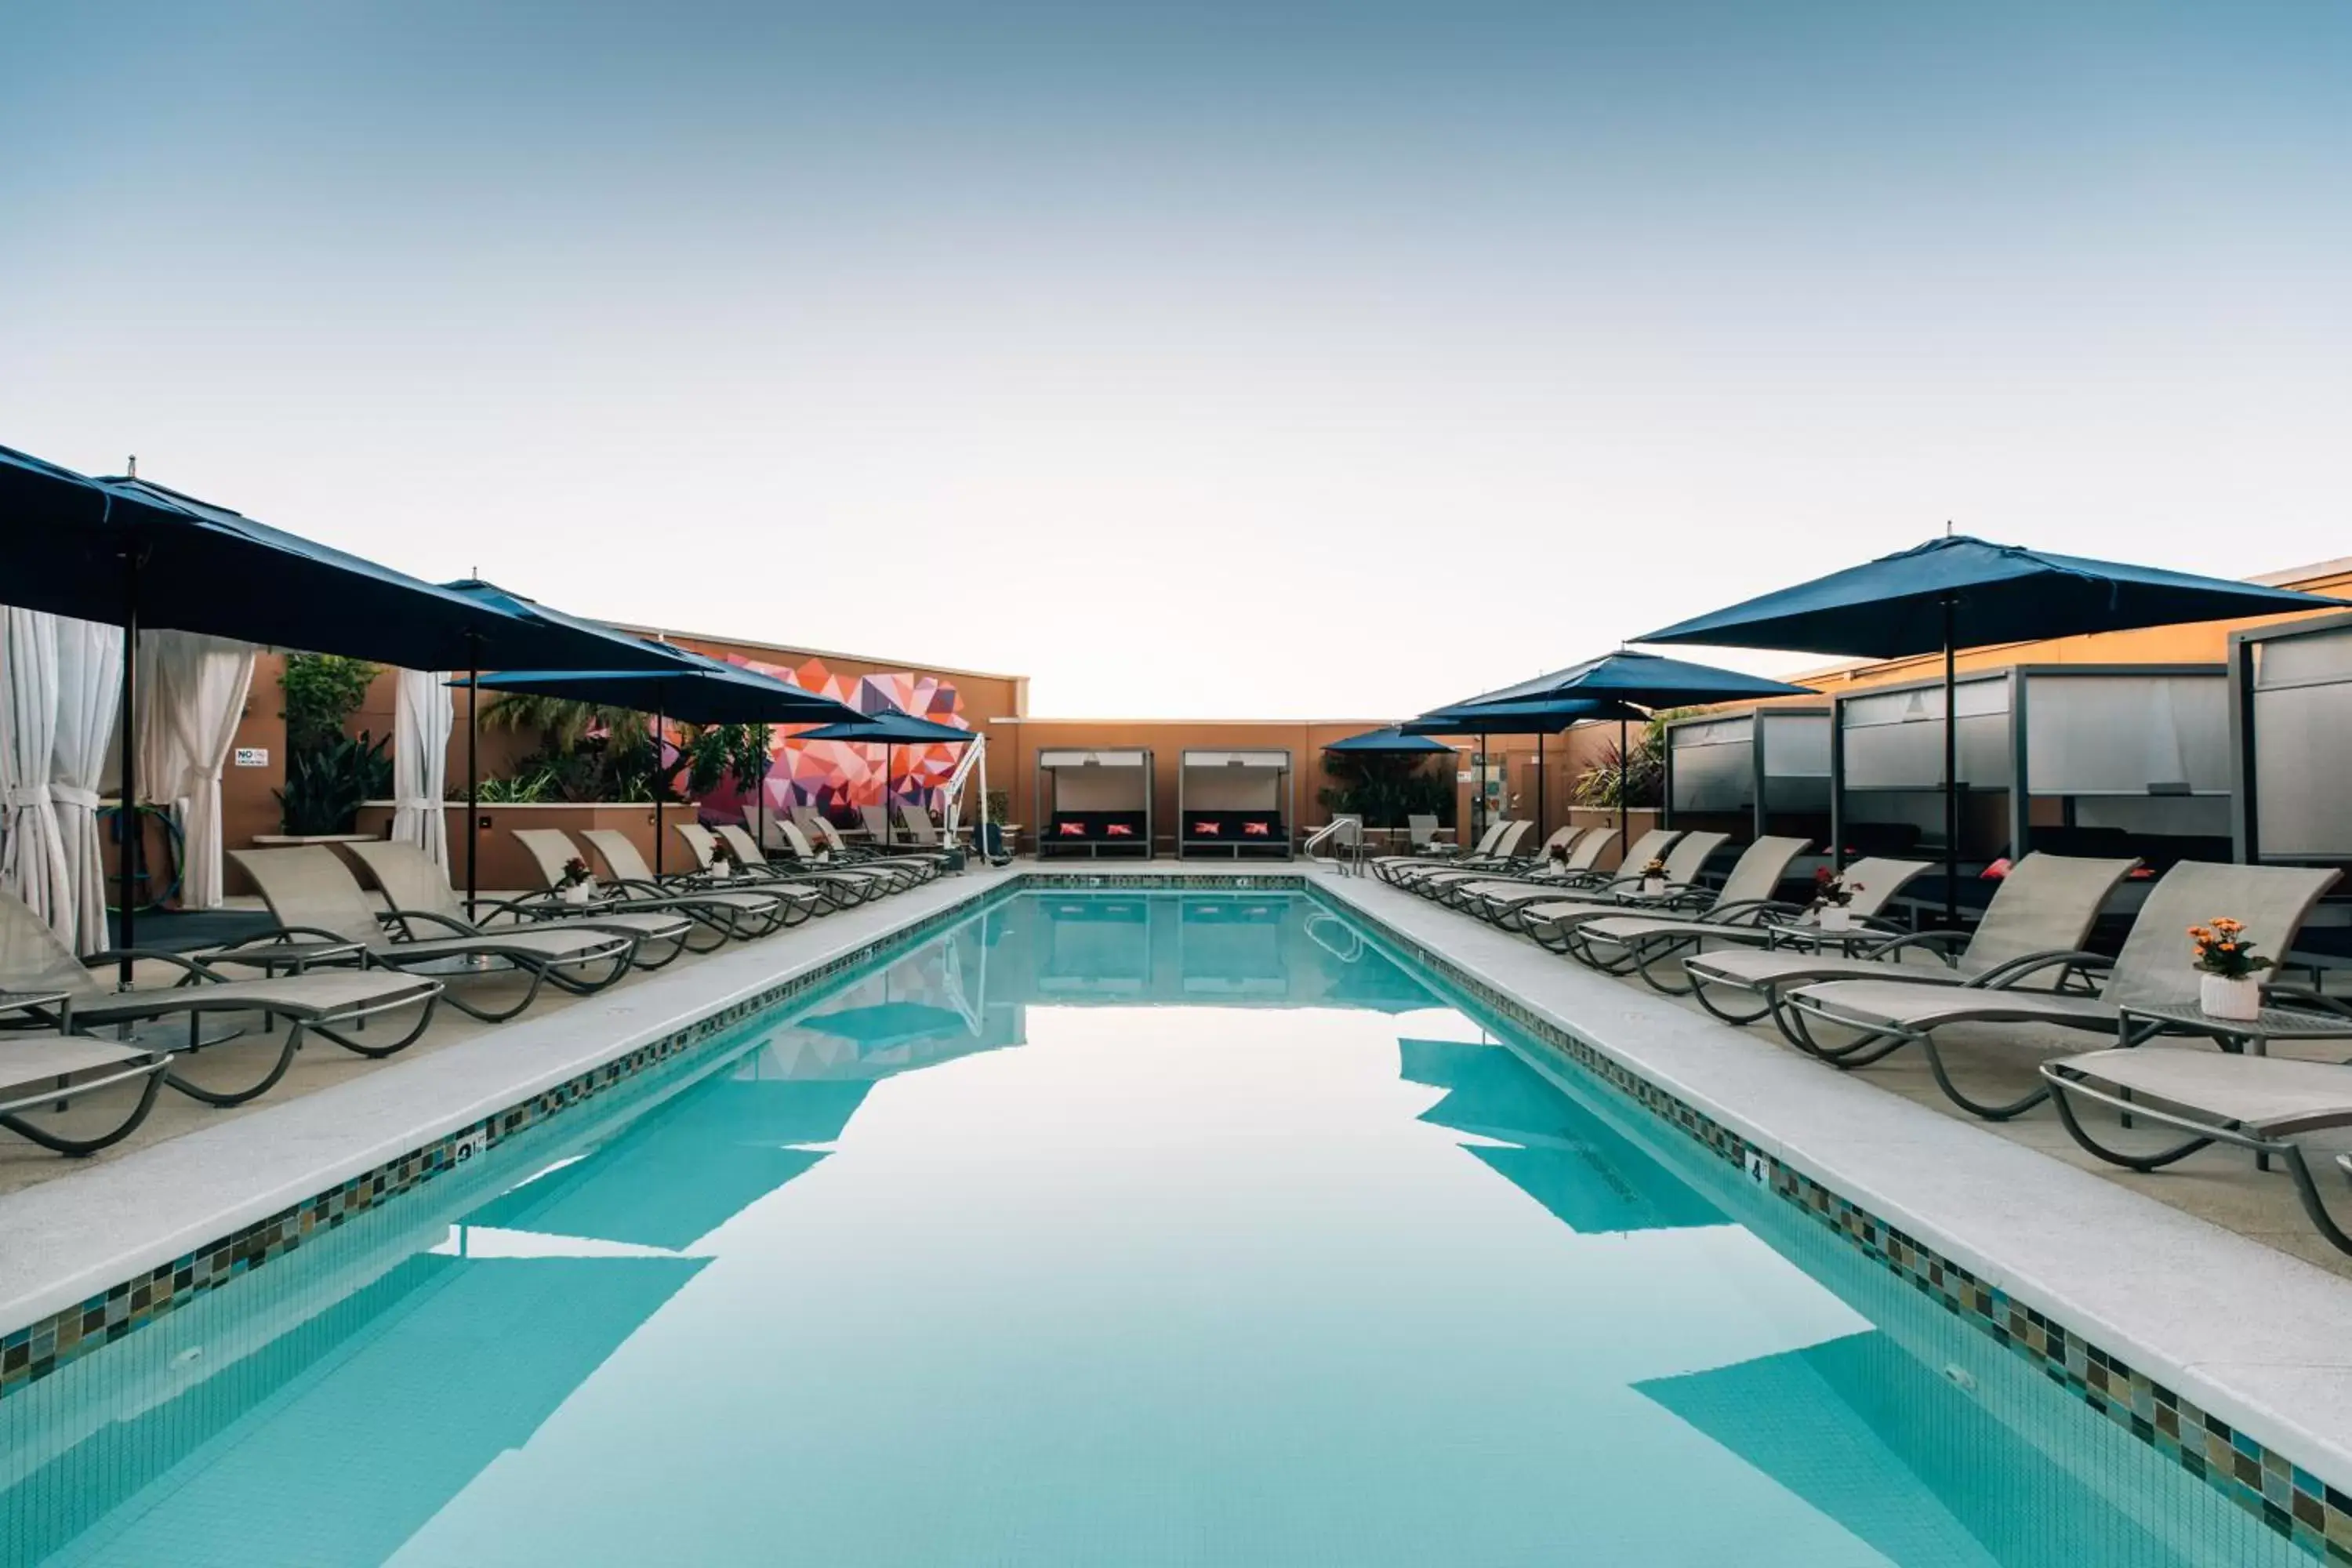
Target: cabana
<point x="2291" y="743"/>
<point x="1233" y="804"/>
<point x="2075" y="759"/>
<point x="1094" y="804"/>
<point x="1750" y="774"/>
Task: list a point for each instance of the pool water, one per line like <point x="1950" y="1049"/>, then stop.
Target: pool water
<point x="1098" y="1229"/>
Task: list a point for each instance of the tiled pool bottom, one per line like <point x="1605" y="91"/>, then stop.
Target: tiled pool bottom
<point x="1098" y="1229"/>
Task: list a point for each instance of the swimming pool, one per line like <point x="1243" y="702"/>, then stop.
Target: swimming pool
<point x="1156" y="1229"/>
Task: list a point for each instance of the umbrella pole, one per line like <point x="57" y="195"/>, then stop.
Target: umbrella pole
<point x="1539" y="793"/>
<point x="128" y="839"/>
<point x="473" y="777"/>
<point x="889" y="829"/>
<point x="660" y="780"/>
<point x="1622" y="761"/>
<point x="1951" y="779"/>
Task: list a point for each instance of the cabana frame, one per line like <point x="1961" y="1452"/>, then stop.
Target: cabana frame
<point x="1776" y="758"/>
<point x="2291" y="743"/>
<point x="1233" y="841"/>
<point x="2018" y="734"/>
<point x="1097" y="767"/>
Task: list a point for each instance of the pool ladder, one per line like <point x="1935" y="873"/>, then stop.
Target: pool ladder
<point x="1343" y="837"/>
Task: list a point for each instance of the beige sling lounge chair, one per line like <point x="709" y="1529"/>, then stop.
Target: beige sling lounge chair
<point x="2047" y="903"/>
<point x="724" y="917"/>
<point x="1552" y="925"/>
<point x="1573" y="869"/>
<point x="2154" y="967"/>
<point x="1505" y="901"/>
<point x="1655" y="946"/>
<point x="837" y="886"/>
<point x="33" y="964"/>
<point x="409" y="880"/>
<point x="310" y="890"/>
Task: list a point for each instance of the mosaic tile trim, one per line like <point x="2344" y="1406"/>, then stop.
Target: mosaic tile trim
<point x="30" y="1354"/>
<point x="2293" y="1501"/>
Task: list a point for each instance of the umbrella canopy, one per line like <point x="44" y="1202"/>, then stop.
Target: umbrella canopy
<point x="1391" y="742"/>
<point x="1647" y="680"/>
<point x="1898" y="604"/>
<point x="1537" y="716"/>
<point x="696" y="690"/>
<point x="122" y="549"/>
<point x="1957" y="592"/>
<point x="890" y="727"/>
<point x="588" y="645"/>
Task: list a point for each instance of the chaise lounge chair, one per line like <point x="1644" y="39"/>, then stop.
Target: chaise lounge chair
<point x="2154" y="967"/>
<point x="1499" y="855"/>
<point x="897" y="875"/>
<point x="1551" y="923"/>
<point x="45" y="980"/>
<point x="1573" y="869"/>
<point x="1651" y="943"/>
<point x="835" y="850"/>
<point x="838" y="888"/>
<point x="2047" y="903"/>
<point x="309" y="890"/>
<point x="1747" y="901"/>
<point x="1562" y="839"/>
<point x="1384" y="864"/>
<point x="1500" y="901"/>
<point x="738" y="913"/>
<point x="409" y="880"/>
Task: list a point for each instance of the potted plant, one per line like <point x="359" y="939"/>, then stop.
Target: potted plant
<point x="578" y="886"/>
<point x="723" y="862"/>
<point x="1653" y="879"/>
<point x="1831" y="894"/>
<point x="2227" y="965"/>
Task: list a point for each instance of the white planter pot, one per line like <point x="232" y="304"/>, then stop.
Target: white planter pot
<point x="2217" y="996"/>
<point x="1653" y="887"/>
<point x="1836" y="917"/>
<point x="579" y="892"/>
<point x="720" y="870"/>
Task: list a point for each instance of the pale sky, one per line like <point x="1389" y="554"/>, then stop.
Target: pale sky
<point x="1194" y="360"/>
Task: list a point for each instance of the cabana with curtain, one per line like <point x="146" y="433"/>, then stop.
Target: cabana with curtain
<point x="1750" y="774"/>
<point x="422" y="716"/>
<point x="2075" y="758"/>
<point x="1233" y="804"/>
<point x="1094" y="804"/>
<point x="2291" y="722"/>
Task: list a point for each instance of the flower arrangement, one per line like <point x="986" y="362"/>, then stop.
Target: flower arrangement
<point x="1656" y="867"/>
<point x="723" y="857"/>
<point x="575" y="873"/>
<point x="1557" y="854"/>
<point x="1832" y="891"/>
<point x="2222" y="949"/>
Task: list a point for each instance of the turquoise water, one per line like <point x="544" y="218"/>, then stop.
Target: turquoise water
<point x="1100" y="1229"/>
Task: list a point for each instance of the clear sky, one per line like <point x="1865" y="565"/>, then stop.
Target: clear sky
<point x="1255" y="360"/>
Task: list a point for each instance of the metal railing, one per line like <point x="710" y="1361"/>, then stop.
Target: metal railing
<point x="1342" y="841"/>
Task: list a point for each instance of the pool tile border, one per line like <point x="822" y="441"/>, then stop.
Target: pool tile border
<point x="2293" y="1501"/>
<point x="2290" y="1500"/>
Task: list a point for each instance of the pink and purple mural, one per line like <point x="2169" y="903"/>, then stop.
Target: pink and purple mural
<point x="837" y="777"/>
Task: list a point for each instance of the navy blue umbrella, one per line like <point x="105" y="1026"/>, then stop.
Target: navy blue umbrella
<point x="1538" y="717"/>
<point x="134" y="554"/>
<point x="693" y="687"/>
<point x="1645" y="680"/>
<point x="889" y="728"/>
<point x="1957" y="592"/>
<point x="1392" y="741"/>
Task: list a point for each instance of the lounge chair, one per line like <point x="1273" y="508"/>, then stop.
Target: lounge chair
<point x="898" y="874"/>
<point x="409" y="880"/>
<point x="1651" y="944"/>
<point x="1421" y="831"/>
<point x="2263" y="1104"/>
<point x="310" y="890"/>
<point x="1553" y="922"/>
<point x="1499" y="855"/>
<point x="823" y="837"/>
<point x="920" y="828"/>
<point x="1620" y="944"/>
<point x="1383" y="865"/>
<point x="878" y="822"/>
<point x="1562" y="837"/>
<point x="2047" y="903"/>
<point x="1500" y="901"/>
<point x="838" y="889"/>
<point x="740" y="913"/>
<point x="2154" y="966"/>
<point x="34" y="965"/>
<point x="1582" y="852"/>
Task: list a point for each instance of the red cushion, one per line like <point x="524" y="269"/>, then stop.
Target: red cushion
<point x="1119" y="830"/>
<point x="1258" y="829"/>
<point x="1207" y="829"/>
<point x="1072" y="829"/>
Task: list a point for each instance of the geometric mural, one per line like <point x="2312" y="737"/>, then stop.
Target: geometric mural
<point x="837" y="777"/>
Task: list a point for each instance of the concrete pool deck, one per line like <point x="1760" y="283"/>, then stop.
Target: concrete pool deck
<point x="2251" y="1334"/>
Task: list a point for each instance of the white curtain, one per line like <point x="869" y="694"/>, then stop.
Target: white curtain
<point x="190" y="695"/>
<point x="33" y="862"/>
<point x="423" y="713"/>
<point x="89" y="690"/>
